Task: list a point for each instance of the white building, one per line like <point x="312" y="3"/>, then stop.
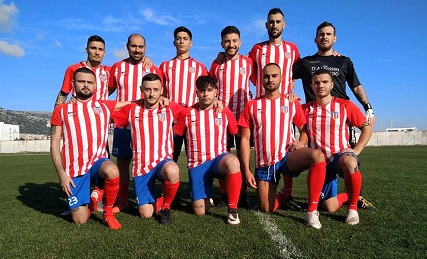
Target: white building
<point x="8" y="132"/>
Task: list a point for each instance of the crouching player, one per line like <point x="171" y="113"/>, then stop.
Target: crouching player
<point x="207" y="156"/>
<point x="83" y="127"/>
<point x="328" y="119"/>
<point x="152" y="147"/>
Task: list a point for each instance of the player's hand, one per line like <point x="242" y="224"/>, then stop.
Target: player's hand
<point x="66" y="182"/>
<point x="221" y="58"/>
<point x="164" y="102"/>
<point x="218" y="106"/>
<point x="295" y="145"/>
<point x="250" y="180"/>
<point x="370" y="117"/>
<point x="146" y="62"/>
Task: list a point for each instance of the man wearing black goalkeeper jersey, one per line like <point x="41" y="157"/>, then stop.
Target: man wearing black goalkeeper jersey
<point x="342" y="70"/>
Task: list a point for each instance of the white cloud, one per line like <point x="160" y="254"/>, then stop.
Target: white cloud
<point x="13" y="50"/>
<point x="150" y="16"/>
<point x="120" y="53"/>
<point x="57" y="43"/>
<point x="8" y="15"/>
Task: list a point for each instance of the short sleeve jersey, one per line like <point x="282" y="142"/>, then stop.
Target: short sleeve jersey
<point x="84" y="133"/>
<point x="233" y="78"/>
<point x="152" y="133"/>
<point x="102" y="74"/>
<point x="341" y="68"/>
<point x="327" y="125"/>
<point x="179" y="79"/>
<point x="285" y="55"/>
<point x="206" y="132"/>
<point x="126" y="78"/>
<point x="270" y="122"/>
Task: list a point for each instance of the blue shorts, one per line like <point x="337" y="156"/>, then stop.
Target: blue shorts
<point x="330" y="187"/>
<point x="122" y="143"/>
<point x="145" y="185"/>
<point x="201" y="178"/>
<point x="272" y="173"/>
<point x="81" y="194"/>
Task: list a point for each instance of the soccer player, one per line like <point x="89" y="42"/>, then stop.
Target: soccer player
<point x="342" y="70"/>
<point x="270" y="120"/>
<point x="233" y="77"/>
<point x="207" y="156"/>
<point x="275" y="50"/>
<point x="179" y="76"/>
<point x="152" y="146"/>
<point x="125" y="76"/>
<point x="328" y="119"/>
<point x="83" y="127"/>
<point x="95" y="49"/>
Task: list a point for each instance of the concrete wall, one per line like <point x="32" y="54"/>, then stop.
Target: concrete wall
<point x="408" y="138"/>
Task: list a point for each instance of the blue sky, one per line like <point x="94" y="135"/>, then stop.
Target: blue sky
<point x="385" y="39"/>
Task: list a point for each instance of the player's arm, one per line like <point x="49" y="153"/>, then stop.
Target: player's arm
<point x="245" y="153"/>
<point x="55" y="153"/>
<point x="360" y="94"/>
<point x="61" y="98"/>
<point x="365" y="136"/>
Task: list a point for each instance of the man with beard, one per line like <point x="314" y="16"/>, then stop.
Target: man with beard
<point x="233" y="77"/>
<point x="342" y="70"/>
<point x="126" y="76"/>
<point x="83" y="127"/>
<point x="275" y="50"/>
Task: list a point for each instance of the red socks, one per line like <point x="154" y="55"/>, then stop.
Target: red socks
<point x="233" y="184"/>
<point x="169" y="192"/>
<point x="315" y="179"/>
<point x="353" y="184"/>
<point x="111" y="189"/>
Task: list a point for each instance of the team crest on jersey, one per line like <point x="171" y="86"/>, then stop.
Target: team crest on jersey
<point x="218" y="121"/>
<point x="284" y="109"/>
<point x="192" y="69"/>
<point x="103" y="77"/>
<point x="242" y="70"/>
<point x="97" y="110"/>
<point x="287" y="54"/>
<point x="335" y="115"/>
<point x="162" y="116"/>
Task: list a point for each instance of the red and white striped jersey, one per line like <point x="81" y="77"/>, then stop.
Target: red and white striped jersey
<point x="179" y="79"/>
<point x="84" y="133"/>
<point x="328" y="125"/>
<point x="233" y="78"/>
<point x="285" y="55"/>
<point x="270" y="123"/>
<point x="126" y="78"/>
<point x="152" y="133"/>
<point x="102" y="74"/>
<point x="206" y="132"/>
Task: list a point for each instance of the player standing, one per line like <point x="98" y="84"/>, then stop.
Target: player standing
<point x="180" y="75"/>
<point x="126" y="76"/>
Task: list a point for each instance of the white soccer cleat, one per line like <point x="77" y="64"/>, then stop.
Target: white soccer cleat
<point x="233" y="218"/>
<point x="312" y="219"/>
<point x="352" y="217"/>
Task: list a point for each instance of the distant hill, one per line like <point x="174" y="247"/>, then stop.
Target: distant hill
<point x="30" y="122"/>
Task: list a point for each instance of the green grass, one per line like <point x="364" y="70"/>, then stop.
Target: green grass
<point x="394" y="179"/>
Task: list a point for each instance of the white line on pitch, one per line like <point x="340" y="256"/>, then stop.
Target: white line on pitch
<point x="286" y="248"/>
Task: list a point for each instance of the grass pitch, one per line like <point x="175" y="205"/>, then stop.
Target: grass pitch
<point x="394" y="179"/>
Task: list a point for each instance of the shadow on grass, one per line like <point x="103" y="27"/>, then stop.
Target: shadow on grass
<point x="46" y="198"/>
